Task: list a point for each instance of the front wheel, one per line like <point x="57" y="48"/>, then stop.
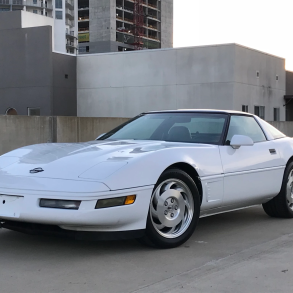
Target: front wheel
<point x="174" y="210"/>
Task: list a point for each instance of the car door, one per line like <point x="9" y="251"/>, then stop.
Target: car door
<point x="251" y="173"/>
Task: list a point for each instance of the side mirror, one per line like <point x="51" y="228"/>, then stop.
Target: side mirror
<point x="240" y="140"/>
<point x="100" y="135"/>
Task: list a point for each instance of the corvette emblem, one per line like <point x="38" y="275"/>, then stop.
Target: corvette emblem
<point x="36" y="170"/>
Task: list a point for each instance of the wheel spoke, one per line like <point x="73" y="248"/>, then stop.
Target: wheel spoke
<point x="187" y="205"/>
<point x="154" y="212"/>
<point x="169" y="185"/>
<point x="290" y="179"/>
<point x="179" y="189"/>
<point x="159" y="226"/>
<point x="172" y="230"/>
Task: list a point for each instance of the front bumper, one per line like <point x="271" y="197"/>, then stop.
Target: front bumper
<point x="86" y="218"/>
<point x="39" y="229"/>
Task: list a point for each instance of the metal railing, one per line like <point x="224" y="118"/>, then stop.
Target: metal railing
<point x="69" y="3"/>
<point x="70" y="13"/>
<point x="26" y="3"/>
<point x="39" y="5"/>
<point x="4" y="2"/>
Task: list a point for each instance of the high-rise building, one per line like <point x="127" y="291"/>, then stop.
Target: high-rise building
<point x="62" y="11"/>
<point x="109" y="25"/>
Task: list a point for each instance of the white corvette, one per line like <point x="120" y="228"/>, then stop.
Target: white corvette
<point x="151" y="178"/>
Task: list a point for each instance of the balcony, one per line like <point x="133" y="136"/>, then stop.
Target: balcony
<point x="38" y="5"/>
<point x="69" y="22"/>
<point x="70" y="35"/>
<point x="69" y="4"/>
<point x="12" y="2"/>
<point x="69" y="13"/>
<point x="70" y="45"/>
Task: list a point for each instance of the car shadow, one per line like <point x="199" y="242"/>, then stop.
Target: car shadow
<point x="208" y="228"/>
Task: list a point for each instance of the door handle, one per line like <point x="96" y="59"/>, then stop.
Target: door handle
<point x="272" y="151"/>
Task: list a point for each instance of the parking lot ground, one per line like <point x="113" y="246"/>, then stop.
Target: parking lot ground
<point x="241" y="251"/>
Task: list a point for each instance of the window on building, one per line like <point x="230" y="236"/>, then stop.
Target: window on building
<point x="259" y="111"/>
<point x="33" y="111"/>
<point x="58" y="4"/>
<point x="35" y="11"/>
<point x="245" y="108"/>
<point x="35" y="1"/>
<point x="58" y="14"/>
<point x="276" y="114"/>
<point x="87" y="48"/>
<point x="11" y="111"/>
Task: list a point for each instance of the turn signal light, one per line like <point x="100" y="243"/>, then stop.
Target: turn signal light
<point x="130" y="199"/>
<point x="115" y="202"/>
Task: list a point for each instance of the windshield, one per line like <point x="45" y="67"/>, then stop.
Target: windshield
<point x="174" y="127"/>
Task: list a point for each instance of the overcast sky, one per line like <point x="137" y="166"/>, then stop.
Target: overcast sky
<point x="264" y="25"/>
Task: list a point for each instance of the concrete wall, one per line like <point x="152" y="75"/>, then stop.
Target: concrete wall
<point x="217" y="77"/>
<point x="29" y="19"/>
<point x="196" y="77"/>
<point x="102" y="20"/>
<point x="284" y="126"/>
<point x="10" y="20"/>
<point x="18" y="131"/>
<point x="167" y="24"/>
<point x="26" y="69"/>
<point x="264" y="90"/>
<point x="64" y="85"/>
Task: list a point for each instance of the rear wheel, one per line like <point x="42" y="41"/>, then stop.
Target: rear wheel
<point x="174" y="210"/>
<point x="281" y="206"/>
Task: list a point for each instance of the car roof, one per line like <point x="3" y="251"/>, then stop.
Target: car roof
<point x="202" y="110"/>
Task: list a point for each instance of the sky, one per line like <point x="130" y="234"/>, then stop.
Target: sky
<point x="264" y="25"/>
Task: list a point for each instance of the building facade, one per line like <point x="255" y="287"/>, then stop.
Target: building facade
<point x="34" y="80"/>
<point x="64" y="14"/>
<point x="108" y="25"/>
<point x="208" y="77"/>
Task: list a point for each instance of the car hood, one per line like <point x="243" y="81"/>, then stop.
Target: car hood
<point x="95" y="160"/>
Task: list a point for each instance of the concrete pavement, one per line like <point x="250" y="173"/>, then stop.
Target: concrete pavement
<point x="242" y="251"/>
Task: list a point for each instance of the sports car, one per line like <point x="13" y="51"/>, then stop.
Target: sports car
<point x="151" y="178"/>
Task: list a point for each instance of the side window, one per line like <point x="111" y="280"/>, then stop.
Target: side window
<point x="245" y="125"/>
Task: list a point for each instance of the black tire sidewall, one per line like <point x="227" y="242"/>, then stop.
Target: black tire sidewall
<point x="283" y="192"/>
<point x="152" y="234"/>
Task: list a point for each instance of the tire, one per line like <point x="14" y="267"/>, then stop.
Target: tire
<point x="281" y="206"/>
<point x="174" y="210"/>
